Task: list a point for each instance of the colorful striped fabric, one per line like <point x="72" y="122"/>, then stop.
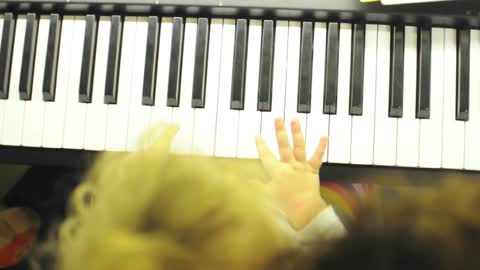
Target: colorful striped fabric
<point x="345" y="198"/>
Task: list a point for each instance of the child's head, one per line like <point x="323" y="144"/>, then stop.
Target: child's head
<point x="152" y="211"/>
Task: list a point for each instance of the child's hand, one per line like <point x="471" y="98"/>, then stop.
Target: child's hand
<point x="156" y="142"/>
<point x="294" y="185"/>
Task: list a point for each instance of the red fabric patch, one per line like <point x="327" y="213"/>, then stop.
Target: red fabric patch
<point x="16" y="250"/>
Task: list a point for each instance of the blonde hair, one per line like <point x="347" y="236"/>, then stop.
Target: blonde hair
<point x="136" y="211"/>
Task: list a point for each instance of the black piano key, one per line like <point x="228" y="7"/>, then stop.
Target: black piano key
<point x="87" y="69"/>
<point x="357" y="67"/>
<point x="397" y="50"/>
<point x="423" y="72"/>
<point x="200" y="68"/>
<point x="331" y="69"/>
<point x="237" y="98"/>
<point x="463" y="74"/>
<point x="305" y="73"/>
<point x="173" y="96"/>
<point x="6" y="50"/>
<point x="266" y="67"/>
<point x="113" y="61"/>
<point x="149" y="79"/>
<point x="51" y="60"/>
<point x="26" y="72"/>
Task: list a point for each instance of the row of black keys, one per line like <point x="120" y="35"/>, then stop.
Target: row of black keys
<point x="239" y="65"/>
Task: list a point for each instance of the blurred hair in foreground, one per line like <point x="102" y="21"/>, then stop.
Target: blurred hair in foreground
<point x="416" y="228"/>
<point x="151" y="211"/>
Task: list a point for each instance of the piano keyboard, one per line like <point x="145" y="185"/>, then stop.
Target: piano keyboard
<point x="385" y="95"/>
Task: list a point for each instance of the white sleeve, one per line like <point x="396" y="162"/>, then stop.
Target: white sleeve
<point x="325" y="225"/>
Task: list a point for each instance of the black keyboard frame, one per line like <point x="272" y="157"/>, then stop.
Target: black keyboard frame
<point x="453" y="13"/>
<point x="347" y="173"/>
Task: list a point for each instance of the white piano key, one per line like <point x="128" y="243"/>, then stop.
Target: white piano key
<point x="139" y="116"/>
<point x="160" y="111"/>
<point x="55" y="110"/>
<point x="13" y="106"/>
<point x="291" y="91"/>
<point x="341" y="123"/>
<point x="363" y="127"/>
<point x="227" y="119"/>
<point x="74" y="127"/>
<point x="250" y="119"/>
<point x="385" y="127"/>
<point x="453" y="139"/>
<point x="117" y="119"/>
<point x="278" y="87"/>
<point x="430" y="155"/>
<point x="96" y="117"/>
<point x="205" y="119"/>
<point x="35" y="108"/>
<point x="472" y="127"/>
<point x="317" y="122"/>
<point x="2" y="102"/>
<point x="408" y="135"/>
<point x="1" y="26"/>
<point x="184" y="114"/>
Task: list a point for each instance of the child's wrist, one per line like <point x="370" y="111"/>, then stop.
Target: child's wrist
<point x="305" y="209"/>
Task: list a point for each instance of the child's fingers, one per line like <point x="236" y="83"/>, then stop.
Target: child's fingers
<point x="298" y="141"/>
<point x="284" y="148"/>
<point x="159" y="138"/>
<point x="155" y="145"/>
<point x="165" y="140"/>
<point x="317" y="157"/>
<point x="266" y="156"/>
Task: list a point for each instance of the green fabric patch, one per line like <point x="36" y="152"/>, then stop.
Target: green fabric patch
<point x="9" y="176"/>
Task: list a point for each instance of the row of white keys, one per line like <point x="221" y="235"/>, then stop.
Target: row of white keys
<point x="453" y="131"/>
<point x="385" y="127"/>
<point x="430" y="146"/>
<point x="34" y="109"/>
<point x="292" y="72"/>
<point x="317" y="123"/>
<point x="472" y="127"/>
<point x="205" y="119"/>
<point x="54" y="117"/>
<point x="363" y="127"/>
<point x="117" y="119"/>
<point x="440" y="141"/>
<point x="139" y="114"/>
<point x="227" y="119"/>
<point x="96" y="115"/>
<point x="13" y="106"/>
<point x="2" y="102"/>
<point x="74" y="127"/>
<point x="90" y="118"/>
<point x="250" y="119"/>
<point x="278" y="87"/>
<point x="184" y="114"/>
<point x="341" y="123"/>
<point x="408" y="133"/>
